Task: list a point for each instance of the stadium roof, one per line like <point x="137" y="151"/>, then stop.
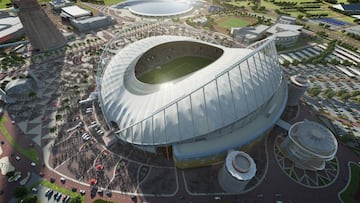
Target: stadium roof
<point x="231" y="88"/>
<point x="75" y="11"/>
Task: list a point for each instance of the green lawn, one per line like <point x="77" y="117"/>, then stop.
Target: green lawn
<point x="234" y="22"/>
<point x="112" y="2"/>
<point x="3" y="3"/>
<point x="29" y="153"/>
<point x="174" y="69"/>
<point x="348" y="195"/>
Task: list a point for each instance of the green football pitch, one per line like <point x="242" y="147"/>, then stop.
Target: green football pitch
<point x="234" y="22"/>
<point x="174" y="69"/>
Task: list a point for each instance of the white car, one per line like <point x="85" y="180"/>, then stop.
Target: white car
<point x="84" y="135"/>
<point x="17" y="177"/>
<point x="17" y="158"/>
<point x="33" y="164"/>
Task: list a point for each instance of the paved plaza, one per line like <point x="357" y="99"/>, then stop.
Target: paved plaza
<point x="50" y="125"/>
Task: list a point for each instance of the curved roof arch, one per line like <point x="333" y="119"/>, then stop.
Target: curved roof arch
<point x="238" y="83"/>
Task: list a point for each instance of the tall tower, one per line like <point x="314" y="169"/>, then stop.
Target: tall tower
<point x="298" y="84"/>
<point x="238" y="169"/>
<point x="42" y="33"/>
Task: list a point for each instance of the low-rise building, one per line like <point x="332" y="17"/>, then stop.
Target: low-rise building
<point x="10" y="28"/>
<point x="350" y="9"/>
<point x="285" y="34"/>
<point x="248" y="35"/>
<point x="91" y="23"/>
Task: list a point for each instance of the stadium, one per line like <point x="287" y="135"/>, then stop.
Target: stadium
<point x="156" y="8"/>
<point x="189" y="99"/>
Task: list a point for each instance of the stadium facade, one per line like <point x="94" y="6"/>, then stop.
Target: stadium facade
<point x="228" y="104"/>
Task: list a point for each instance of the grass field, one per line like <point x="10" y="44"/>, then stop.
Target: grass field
<point x="3" y="3"/>
<point x="174" y="69"/>
<point x="352" y="189"/>
<point x="112" y="2"/>
<point x="233" y="22"/>
<point x="29" y="153"/>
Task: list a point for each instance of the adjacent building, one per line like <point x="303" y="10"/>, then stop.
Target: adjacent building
<point x="10" y="28"/>
<point x="92" y="23"/>
<point x="74" y="12"/>
<point x="248" y="35"/>
<point x="309" y="145"/>
<point x="350" y="9"/>
<point x="285" y="34"/>
<point x="298" y="84"/>
<point x="238" y="170"/>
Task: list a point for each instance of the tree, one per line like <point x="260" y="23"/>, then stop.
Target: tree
<point x="355" y="93"/>
<point x="10" y="174"/>
<point x="345" y="97"/>
<point x="315" y="91"/>
<point x="295" y="62"/>
<point x="77" y="199"/>
<point x="30" y="199"/>
<point x="329" y="93"/>
<point x="20" y="192"/>
<point x="286" y="63"/>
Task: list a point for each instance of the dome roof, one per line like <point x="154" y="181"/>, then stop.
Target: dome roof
<point x="235" y="85"/>
<point x="314" y="138"/>
<point x="21" y="86"/>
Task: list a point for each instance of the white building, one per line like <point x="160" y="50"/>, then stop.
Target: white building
<point x="249" y="35"/>
<point x="286" y="20"/>
<point x="298" y="84"/>
<point x="58" y="4"/>
<point x="285" y="34"/>
<point x="11" y="28"/>
<point x="72" y="12"/>
<point x="309" y="145"/>
<point x="238" y="170"/>
<point x="91" y="23"/>
<point x="228" y="104"/>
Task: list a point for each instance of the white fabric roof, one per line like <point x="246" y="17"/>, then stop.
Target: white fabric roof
<point x="191" y="107"/>
<point x="76" y="11"/>
<point x="314" y="137"/>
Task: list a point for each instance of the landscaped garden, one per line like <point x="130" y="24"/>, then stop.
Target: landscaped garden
<point x="29" y="153"/>
<point x="352" y="193"/>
